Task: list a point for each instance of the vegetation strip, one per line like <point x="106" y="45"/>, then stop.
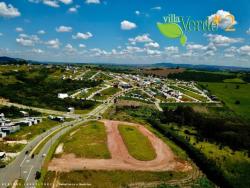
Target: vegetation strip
<point x="88" y="142"/>
<point x="40" y="145"/>
<point x="137" y="144"/>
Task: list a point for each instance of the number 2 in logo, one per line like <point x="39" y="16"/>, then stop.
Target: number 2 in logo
<point x="232" y="21"/>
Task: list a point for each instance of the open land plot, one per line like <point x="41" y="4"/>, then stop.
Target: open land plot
<point x="89" y="141"/>
<point x="162" y="71"/>
<point x="165" y="160"/>
<point x="106" y="93"/>
<point x="190" y="93"/>
<point x="88" y="74"/>
<point x="108" y="179"/>
<point x="229" y="93"/>
<point x="137" y="144"/>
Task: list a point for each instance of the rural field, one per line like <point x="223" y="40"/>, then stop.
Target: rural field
<point x="101" y="150"/>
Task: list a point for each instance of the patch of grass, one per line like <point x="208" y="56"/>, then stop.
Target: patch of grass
<point x="11" y="148"/>
<point x="28" y="133"/>
<point x="88" y="141"/>
<point x="230" y="93"/>
<point x="106" y="93"/>
<point x="111" y="179"/>
<point x="234" y="80"/>
<point x="137" y="144"/>
<point x="190" y="93"/>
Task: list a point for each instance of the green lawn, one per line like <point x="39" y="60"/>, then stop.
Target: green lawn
<point x="28" y="133"/>
<point x="190" y="93"/>
<point x="11" y="148"/>
<point x="110" y="179"/>
<point x="229" y="94"/>
<point x="138" y="145"/>
<point x="234" y="80"/>
<point x="88" y="141"/>
<point x="106" y="93"/>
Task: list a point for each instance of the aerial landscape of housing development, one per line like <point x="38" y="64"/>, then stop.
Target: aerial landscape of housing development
<point x="125" y="93"/>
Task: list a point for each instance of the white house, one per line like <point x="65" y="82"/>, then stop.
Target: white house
<point x="3" y="134"/>
<point x="2" y="155"/>
<point x="62" y="95"/>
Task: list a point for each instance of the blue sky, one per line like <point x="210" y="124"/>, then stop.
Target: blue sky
<point x="121" y="31"/>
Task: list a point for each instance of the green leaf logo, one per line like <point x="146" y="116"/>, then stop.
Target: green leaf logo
<point x="172" y="30"/>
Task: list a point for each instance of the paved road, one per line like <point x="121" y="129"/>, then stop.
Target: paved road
<point x="25" y="167"/>
<point x="42" y="110"/>
<point x="14" y="170"/>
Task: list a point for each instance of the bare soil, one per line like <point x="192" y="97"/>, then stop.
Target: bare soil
<point x="120" y="158"/>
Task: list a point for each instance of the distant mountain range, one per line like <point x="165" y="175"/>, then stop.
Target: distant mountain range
<point x="10" y="60"/>
<point x="200" y="67"/>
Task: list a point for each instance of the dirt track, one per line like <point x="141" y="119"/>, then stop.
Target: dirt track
<point x="120" y="158"/>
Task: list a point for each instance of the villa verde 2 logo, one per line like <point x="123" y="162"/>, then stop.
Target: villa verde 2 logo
<point x="175" y="27"/>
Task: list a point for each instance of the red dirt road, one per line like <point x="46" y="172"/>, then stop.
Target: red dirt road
<point x="120" y="158"/>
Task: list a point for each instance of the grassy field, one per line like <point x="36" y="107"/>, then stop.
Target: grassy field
<point x="190" y="93"/>
<point x="229" y="93"/>
<point x="106" y="93"/>
<point x="88" y="141"/>
<point x="11" y="148"/>
<point x="110" y="179"/>
<point x="28" y="133"/>
<point x="138" y="145"/>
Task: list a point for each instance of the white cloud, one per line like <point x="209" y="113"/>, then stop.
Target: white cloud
<point x="224" y="17"/>
<point x="92" y="2"/>
<point x="248" y="31"/>
<point x="69" y="48"/>
<point x="82" y="35"/>
<point x="51" y="3"/>
<point x="74" y="9"/>
<point x="19" y="29"/>
<point x="127" y="25"/>
<point x="41" y="32"/>
<point x="55" y="43"/>
<point x="152" y="45"/>
<point x="220" y="40"/>
<point x="153" y="52"/>
<point x="156" y="8"/>
<point x="141" y="38"/>
<point x="27" y="40"/>
<point x="8" y="11"/>
<point x="37" y="51"/>
<point x="133" y="49"/>
<point x="244" y="50"/>
<point x="171" y="49"/>
<point x="63" y="29"/>
<point x="66" y="1"/>
<point x="82" y="45"/>
<point x="196" y="47"/>
<point x="137" y="12"/>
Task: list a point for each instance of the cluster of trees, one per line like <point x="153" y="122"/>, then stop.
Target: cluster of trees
<point x="200" y="76"/>
<point x="215" y="129"/>
<point x="246" y="77"/>
<point x="35" y="88"/>
<point x="14" y="112"/>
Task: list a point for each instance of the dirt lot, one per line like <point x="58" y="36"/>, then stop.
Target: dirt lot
<point x="121" y="160"/>
<point x="164" y="72"/>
